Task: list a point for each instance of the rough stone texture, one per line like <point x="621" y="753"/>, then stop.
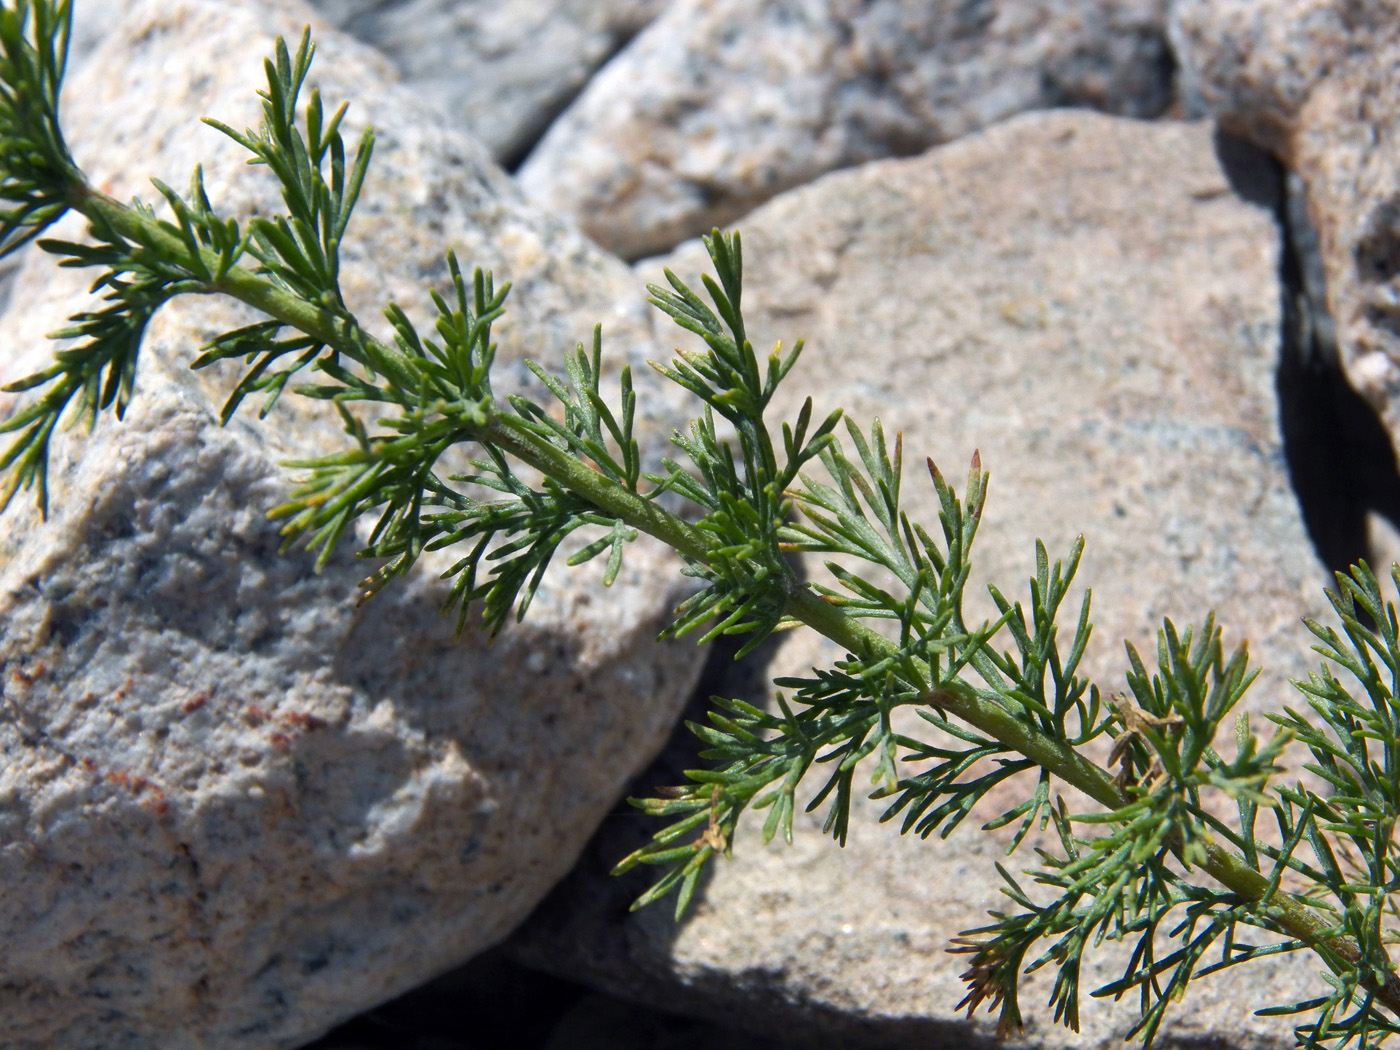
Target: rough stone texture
<point x="1101" y="319"/>
<point x="234" y="808"/>
<point x="721" y="104"/>
<point x="1315" y="82"/>
<point x="499" y="70"/>
<point x="1254" y="64"/>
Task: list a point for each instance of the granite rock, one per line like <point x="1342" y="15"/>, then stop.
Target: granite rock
<point x="721" y="104"/>
<point x="234" y="808"/>
<point x="1101" y="319"/>
<point x="1315" y="82"/>
<point x="500" y="71"/>
<point x="1253" y="65"/>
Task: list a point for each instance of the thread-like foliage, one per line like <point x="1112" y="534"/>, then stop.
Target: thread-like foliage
<point x="36" y="173"/>
<point x="1002" y="702"/>
<point x="745" y="501"/>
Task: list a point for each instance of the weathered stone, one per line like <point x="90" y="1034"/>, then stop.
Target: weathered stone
<point x="1315" y="82"/>
<point x="499" y="70"/>
<point x="234" y="808"/>
<point x="721" y="104"/>
<point x="1253" y="65"/>
<point x="1087" y="301"/>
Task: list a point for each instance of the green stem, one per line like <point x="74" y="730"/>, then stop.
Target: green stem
<point x="333" y="329"/>
<point x="511" y="435"/>
<point x="1062" y="760"/>
<point x="1293" y="915"/>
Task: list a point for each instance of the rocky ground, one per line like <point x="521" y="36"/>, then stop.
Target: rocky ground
<point x="1143" y="254"/>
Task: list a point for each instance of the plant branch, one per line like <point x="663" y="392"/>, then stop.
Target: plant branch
<point x="506" y="432"/>
<point x="1027" y="711"/>
<point x="240" y="283"/>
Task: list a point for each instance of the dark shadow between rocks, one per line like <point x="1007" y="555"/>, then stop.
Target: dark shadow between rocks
<point x="1341" y="462"/>
<point x="544" y="120"/>
<point x="488" y="1004"/>
<point x="493" y="1003"/>
<point x="585" y="925"/>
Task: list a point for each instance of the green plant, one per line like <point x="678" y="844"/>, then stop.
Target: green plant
<point x="1150" y="865"/>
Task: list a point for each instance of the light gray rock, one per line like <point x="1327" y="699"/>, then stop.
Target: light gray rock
<point x="1314" y="82"/>
<point x="1087" y="301"/>
<point x="92" y="24"/>
<point x="234" y="808"/>
<point x="498" y="70"/>
<point x="721" y="104"/>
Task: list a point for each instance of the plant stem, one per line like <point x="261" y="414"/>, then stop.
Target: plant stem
<point x="637" y="511"/>
<point x="512" y="435"/>
<point x="1222" y="864"/>
<point x="243" y="284"/>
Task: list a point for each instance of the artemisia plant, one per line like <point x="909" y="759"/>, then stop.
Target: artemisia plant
<point x="1142" y="858"/>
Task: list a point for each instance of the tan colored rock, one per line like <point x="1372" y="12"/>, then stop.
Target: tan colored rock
<point x="1086" y="301"/>
<point x="234" y="808"/>
<point x="720" y="105"/>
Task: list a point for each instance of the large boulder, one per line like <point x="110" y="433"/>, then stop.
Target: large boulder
<point x="719" y="105"/>
<point x="1091" y="303"/>
<point x="235" y="808"/>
